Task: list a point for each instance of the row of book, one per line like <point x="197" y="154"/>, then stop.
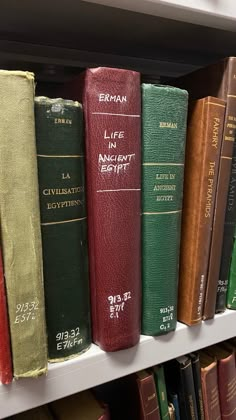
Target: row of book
<point x="198" y="386"/>
<point x="129" y="140"/>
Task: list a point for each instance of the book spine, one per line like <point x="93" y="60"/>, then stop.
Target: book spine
<point x="210" y="393"/>
<point x="202" y="163"/>
<point x="60" y="150"/>
<point x="197" y="384"/>
<point x="149" y="408"/>
<point x="20" y="224"/>
<point x="175" y="401"/>
<point x="231" y="290"/>
<point x="164" y="114"/>
<point x="221" y="196"/>
<point x="159" y="377"/>
<point x="227" y="387"/>
<point x="5" y="349"/>
<point x="188" y="391"/>
<point x="228" y="238"/>
<point x="112" y="107"/>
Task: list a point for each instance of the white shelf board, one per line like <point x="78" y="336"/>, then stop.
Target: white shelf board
<point x="96" y="367"/>
<point x="213" y="13"/>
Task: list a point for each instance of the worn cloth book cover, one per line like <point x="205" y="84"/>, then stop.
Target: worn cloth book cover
<point x="225" y="357"/>
<point x="60" y="152"/>
<point x="5" y="349"/>
<point x="218" y="80"/>
<point x="164" y="115"/>
<point x="20" y="224"/>
<point x="112" y="108"/>
<point x="210" y="389"/>
<point x="204" y="135"/>
<point x="159" y="376"/>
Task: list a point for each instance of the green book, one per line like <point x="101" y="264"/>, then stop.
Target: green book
<point x="160" y="383"/>
<point x="231" y="291"/>
<point x="20" y="224"/>
<point x="164" y="113"/>
<point x="60" y="149"/>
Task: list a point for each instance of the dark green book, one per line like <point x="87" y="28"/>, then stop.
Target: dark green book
<point x="60" y="150"/>
<point x="160" y="383"/>
<point x="164" y="113"/>
<point x="231" y="292"/>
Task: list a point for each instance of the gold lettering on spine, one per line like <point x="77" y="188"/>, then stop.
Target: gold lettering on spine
<point x="61" y="204"/>
<point x="211" y="168"/>
<point x="163" y="124"/>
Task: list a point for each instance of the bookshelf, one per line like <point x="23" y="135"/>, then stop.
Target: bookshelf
<point x="157" y="37"/>
<point x="217" y="14"/>
<point x="96" y="367"/>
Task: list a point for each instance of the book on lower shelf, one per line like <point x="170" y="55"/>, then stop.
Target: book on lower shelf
<point x="206" y="377"/>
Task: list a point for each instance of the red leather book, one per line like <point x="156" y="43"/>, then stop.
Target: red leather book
<point x="224" y="353"/>
<point x="112" y="107"/>
<point x="5" y="352"/>
<point x="149" y="407"/>
<point x="210" y="388"/>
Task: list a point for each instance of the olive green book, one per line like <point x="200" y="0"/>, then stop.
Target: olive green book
<point x="20" y="224"/>
<point x="60" y="151"/>
<point x="164" y="115"/>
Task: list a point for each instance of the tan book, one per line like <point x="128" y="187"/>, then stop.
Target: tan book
<point x="204" y="138"/>
<point x="20" y="224"/>
<point x="39" y="413"/>
<point x="82" y="406"/>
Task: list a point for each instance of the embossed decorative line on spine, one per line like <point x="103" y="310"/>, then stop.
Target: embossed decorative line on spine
<point x="231" y="96"/>
<point x="117" y="115"/>
<point x="162" y="164"/>
<point x="226" y="157"/>
<point x="63" y="221"/>
<point x="61" y="156"/>
<point x="214" y="103"/>
<point x="121" y="189"/>
<point x="153" y="411"/>
<point x="163" y="212"/>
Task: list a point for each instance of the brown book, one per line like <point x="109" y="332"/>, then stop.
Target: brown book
<point x="204" y="136"/>
<point x="210" y="389"/>
<point x="217" y="80"/>
<point x="171" y="410"/>
<point x="149" y="408"/>
<point x="39" y="413"/>
<point x="225" y="355"/>
<point x="81" y="406"/>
